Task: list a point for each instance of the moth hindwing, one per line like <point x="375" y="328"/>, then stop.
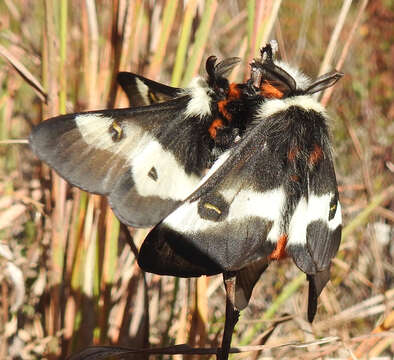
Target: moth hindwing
<point x="145" y="159"/>
<point x="141" y="91"/>
<point x="273" y="195"/>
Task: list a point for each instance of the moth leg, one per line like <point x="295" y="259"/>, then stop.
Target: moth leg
<point x="232" y="315"/>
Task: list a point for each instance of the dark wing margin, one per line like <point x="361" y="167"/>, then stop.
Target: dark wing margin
<point x="142" y="91"/>
<point x="172" y="256"/>
<point x="317" y="283"/>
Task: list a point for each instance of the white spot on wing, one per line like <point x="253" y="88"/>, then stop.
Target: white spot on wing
<point x="298" y="224"/>
<point x="143" y="89"/>
<point x="93" y="127"/>
<point x="243" y="204"/>
<point x="317" y="208"/>
<point x="95" y="131"/>
<point x="142" y="152"/>
<point x="271" y="107"/>
<point x="200" y="102"/>
<point x="151" y="154"/>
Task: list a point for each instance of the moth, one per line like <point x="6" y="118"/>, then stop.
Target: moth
<point x="271" y="195"/>
<point x="146" y="159"/>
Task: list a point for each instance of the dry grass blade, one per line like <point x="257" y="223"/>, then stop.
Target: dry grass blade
<point x="372" y="306"/>
<point x="368" y="344"/>
<point x="326" y="63"/>
<point x="26" y="74"/>
<point x="8" y="217"/>
<point x="262" y="17"/>
<point x="384" y="197"/>
<point x="92" y="54"/>
<point x="14" y="141"/>
<point x="114" y="352"/>
<point x="201" y="39"/>
<point x="271" y="15"/>
<point x="167" y="23"/>
<point x="183" y="42"/>
<point x="327" y="93"/>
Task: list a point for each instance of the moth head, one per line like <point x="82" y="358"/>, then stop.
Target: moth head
<point x="278" y="79"/>
<point x="217" y="74"/>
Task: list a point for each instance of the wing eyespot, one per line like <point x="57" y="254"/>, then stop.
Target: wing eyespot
<point x="213" y="207"/>
<point x="152" y="97"/>
<point x="116" y="132"/>
<point x="153" y="174"/>
<point x="333" y="207"/>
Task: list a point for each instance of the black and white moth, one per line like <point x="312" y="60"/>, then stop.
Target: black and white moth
<point x="272" y="195"/>
<point x="146" y="159"/>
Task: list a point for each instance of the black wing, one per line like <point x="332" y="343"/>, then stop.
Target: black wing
<point x="273" y="195"/>
<point x="146" y="160"/>
<point x="142" y="91"/>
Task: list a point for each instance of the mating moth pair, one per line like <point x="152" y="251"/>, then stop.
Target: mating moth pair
<point x="270" y="190"/>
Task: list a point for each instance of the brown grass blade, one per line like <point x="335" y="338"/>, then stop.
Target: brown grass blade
<point x="25" y="73"/>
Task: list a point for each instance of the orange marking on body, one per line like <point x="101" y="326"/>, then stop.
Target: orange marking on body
<point x="234" y="93"/>
<point x="222" y="109"/>
<point x="269" y="91"/>
<point x="316" y="155"/>
<point x="280" y="250"/>
<point x="292" y="154"/>
<point x="217" y="123"/>
<point x="295" y="178"/>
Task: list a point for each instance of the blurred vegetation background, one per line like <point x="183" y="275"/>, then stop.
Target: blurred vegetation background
<point x="68" y="276"/>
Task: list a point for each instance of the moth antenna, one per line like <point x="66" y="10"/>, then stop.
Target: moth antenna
<point x="225" y="66"/>
<point x="324" y="81"/>
<point x="210" y="67"/>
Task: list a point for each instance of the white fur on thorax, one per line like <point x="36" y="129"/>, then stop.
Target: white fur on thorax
<point x="200" y="102"/>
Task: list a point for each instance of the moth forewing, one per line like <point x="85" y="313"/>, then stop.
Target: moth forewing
<point x="117" y="153"/>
